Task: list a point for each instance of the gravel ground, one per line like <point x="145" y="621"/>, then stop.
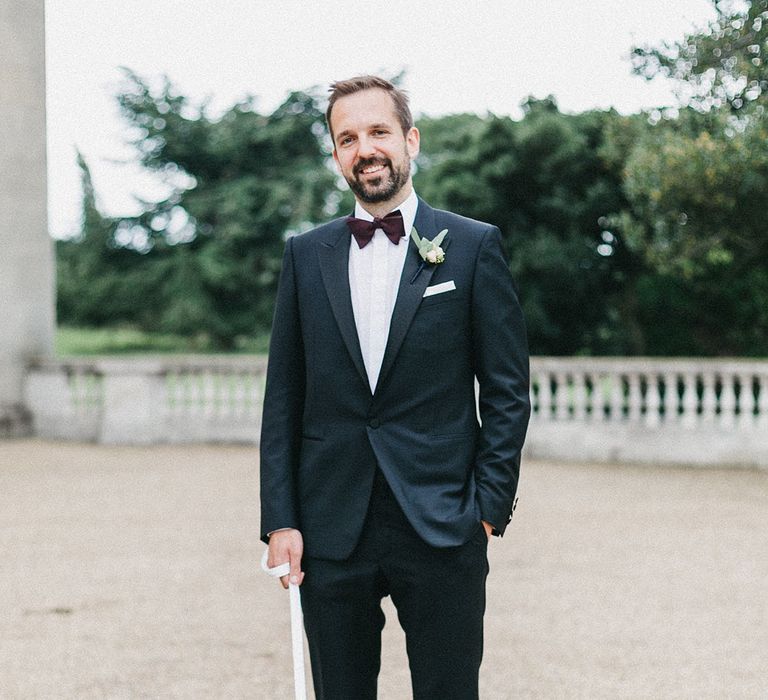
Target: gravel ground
<point x="132" y="572"/>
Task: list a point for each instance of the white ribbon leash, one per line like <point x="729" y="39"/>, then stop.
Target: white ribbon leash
<point x="297" y="626"/>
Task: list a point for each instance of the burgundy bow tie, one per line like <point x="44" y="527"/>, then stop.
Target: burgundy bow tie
<point x="391" y="224"/>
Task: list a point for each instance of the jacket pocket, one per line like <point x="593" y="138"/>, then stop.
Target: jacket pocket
<point x="451" y="436"/>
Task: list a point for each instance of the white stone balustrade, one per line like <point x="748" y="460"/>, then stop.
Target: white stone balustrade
<point x="650" y="410"/>
<point x="145" y="401"/>
<point x="645" y="410"/>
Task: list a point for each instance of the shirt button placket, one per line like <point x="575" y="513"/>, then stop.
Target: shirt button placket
<point x="378" y="328"/>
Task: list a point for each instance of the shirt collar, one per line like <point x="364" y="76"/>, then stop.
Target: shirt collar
<point x="407" y="209"/>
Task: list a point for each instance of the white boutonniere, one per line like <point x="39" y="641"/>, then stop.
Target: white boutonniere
<point x="430" y="251"/>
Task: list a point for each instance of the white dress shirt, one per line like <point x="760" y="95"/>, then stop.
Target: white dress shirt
<point x="374" y="278"/>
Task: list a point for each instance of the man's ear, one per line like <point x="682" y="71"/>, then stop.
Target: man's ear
<point x="412" y="142"/>
<point x="336" y="159"/>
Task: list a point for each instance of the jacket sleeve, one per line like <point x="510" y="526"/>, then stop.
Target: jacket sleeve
<point x="283" y="408"/>
<point x="501" y="367"/>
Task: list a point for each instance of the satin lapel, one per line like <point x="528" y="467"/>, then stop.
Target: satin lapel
<point x="413" y="282"/>
<point x="333" y="255"/>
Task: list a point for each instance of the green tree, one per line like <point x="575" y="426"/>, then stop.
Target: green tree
<point x="723" y="65"/>
<point x="544" y="182"/>
<point x="204" y="260"/>
<point x="697" y="188"/>
<point x="98" y="280"/>
<point x="698" y="199"/>
<point x="246" y="181"/>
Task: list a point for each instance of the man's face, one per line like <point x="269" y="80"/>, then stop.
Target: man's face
<point x="372" y="153"/>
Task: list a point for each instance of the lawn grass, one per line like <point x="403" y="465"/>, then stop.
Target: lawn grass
<point x="121" y="340"/>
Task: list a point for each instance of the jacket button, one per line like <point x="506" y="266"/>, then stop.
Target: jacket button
<point x="374" y="423"/>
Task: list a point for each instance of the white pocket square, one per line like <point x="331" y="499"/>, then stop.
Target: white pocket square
<point x="440" y="288"/>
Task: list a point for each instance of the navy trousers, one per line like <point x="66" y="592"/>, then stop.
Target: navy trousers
<point x="439" y="594"/>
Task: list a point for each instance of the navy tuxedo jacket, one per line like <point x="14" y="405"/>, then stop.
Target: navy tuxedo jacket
<point x="324" y="432"/>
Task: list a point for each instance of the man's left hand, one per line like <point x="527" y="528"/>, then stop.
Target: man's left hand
<point x="488" y="528"/>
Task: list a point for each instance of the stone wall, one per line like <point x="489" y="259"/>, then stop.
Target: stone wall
<point x="702" y="412"/>
<point x="183" y="399"/>
<point x="613" y="410"/>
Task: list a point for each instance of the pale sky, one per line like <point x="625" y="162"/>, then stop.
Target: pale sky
<point x="460" y="57"/>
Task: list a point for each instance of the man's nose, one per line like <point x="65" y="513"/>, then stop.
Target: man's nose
<point x="366" y="147"/>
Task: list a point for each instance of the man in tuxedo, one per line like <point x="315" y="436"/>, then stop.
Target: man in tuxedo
<point x="376" y="476"/>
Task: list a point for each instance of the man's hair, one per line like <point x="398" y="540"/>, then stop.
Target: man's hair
<point x="342" y="88"/>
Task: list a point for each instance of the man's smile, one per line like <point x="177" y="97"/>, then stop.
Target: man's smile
<point x="378" y="178"/>
<point x="371" y="168"/>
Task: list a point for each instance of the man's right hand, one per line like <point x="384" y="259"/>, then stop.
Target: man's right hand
<point x="287" y="546"/>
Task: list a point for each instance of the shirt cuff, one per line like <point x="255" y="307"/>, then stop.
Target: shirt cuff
<point x="280" y="529"/>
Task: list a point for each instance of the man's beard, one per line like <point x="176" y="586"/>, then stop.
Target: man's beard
<point x="379" y="189"/>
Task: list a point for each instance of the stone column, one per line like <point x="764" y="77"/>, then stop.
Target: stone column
<point x="27" y="316"/>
